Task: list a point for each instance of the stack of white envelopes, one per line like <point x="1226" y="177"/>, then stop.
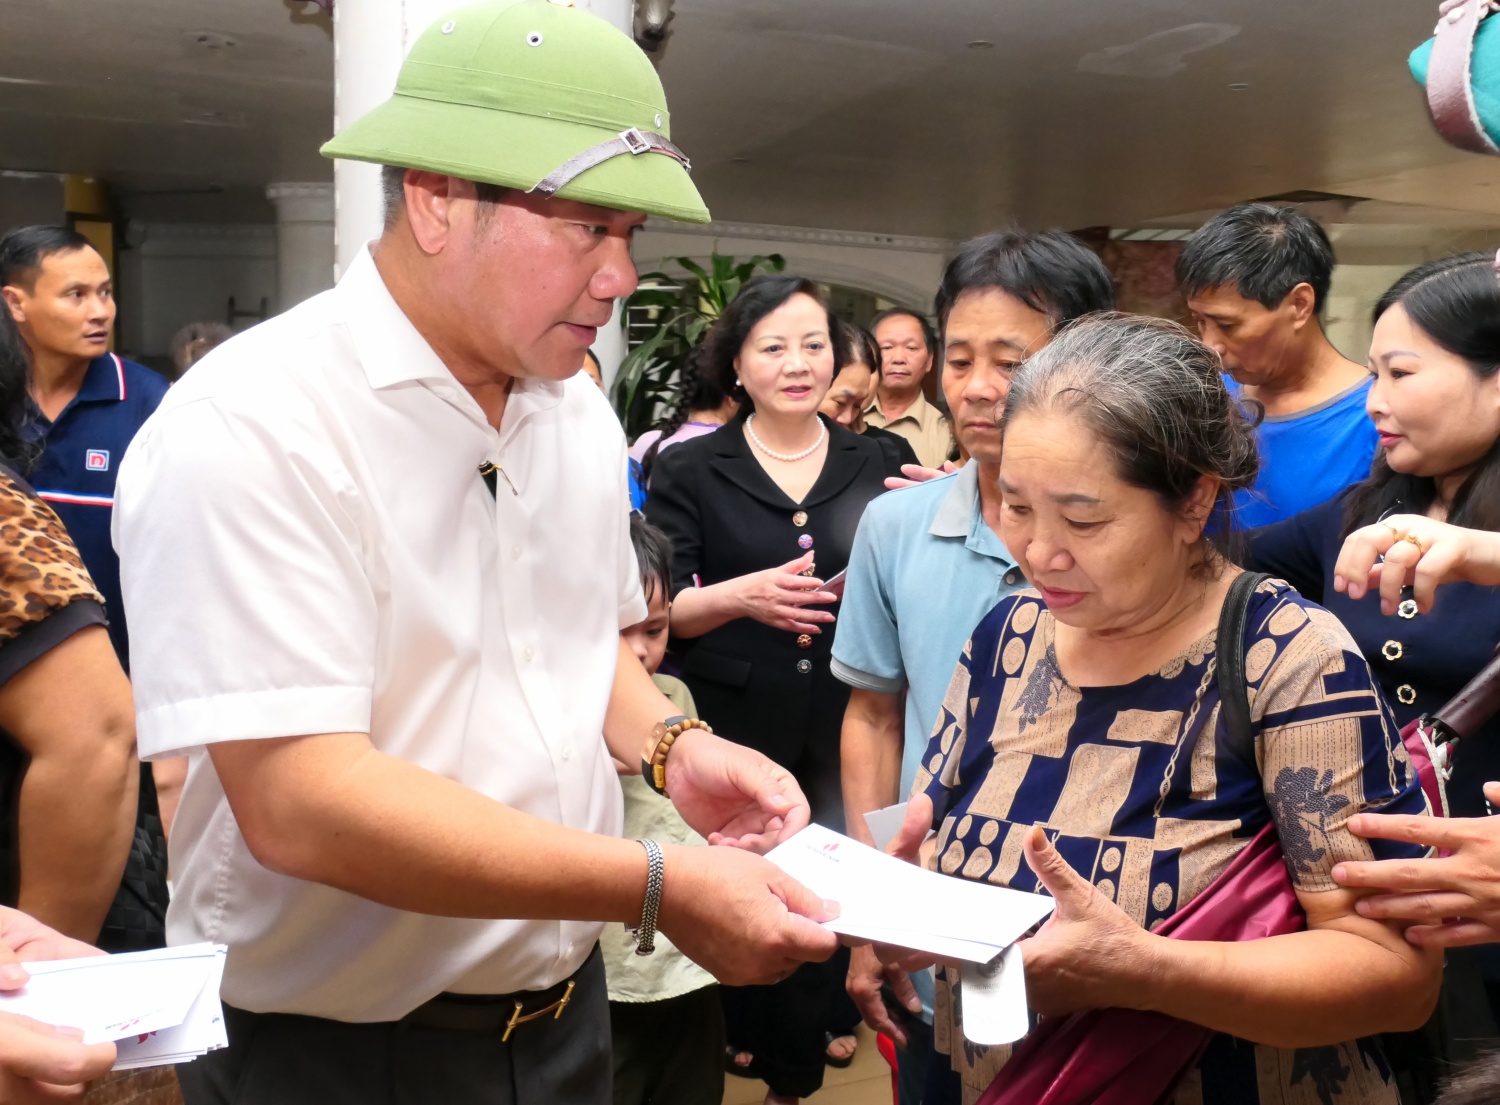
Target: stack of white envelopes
<point x="158" y="1007"/>
<point x="887" y="901"/>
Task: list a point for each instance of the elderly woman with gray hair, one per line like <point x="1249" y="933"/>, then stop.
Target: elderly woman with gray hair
<point x="1082" y="752"/>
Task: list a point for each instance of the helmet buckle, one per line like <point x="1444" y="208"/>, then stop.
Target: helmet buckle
<point x="635" y="141"/>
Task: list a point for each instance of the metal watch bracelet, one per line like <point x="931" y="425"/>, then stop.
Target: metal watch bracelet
<point x="645" y="934"/>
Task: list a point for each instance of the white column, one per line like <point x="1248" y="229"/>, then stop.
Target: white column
<point x="370" y="39"/>
<point x="304" y="240"/>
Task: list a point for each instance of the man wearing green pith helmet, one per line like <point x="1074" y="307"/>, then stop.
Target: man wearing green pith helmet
<point x="376" y="556"/>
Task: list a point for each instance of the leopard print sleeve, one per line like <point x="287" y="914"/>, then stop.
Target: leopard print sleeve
<point x="41" y="572"/>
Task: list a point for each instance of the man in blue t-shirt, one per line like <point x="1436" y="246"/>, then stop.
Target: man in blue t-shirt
<point x="1256" y="278"/>
<point x="928" y="565"/>
<point x="89" y="401"/>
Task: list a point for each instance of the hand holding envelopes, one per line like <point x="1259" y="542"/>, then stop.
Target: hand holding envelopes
<point x="159" y="1007"/>
<point x="887" y="901"/>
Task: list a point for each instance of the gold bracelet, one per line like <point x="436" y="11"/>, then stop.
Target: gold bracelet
<point x="663" y="735"/>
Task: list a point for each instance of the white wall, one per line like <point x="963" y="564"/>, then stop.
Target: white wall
<point x="186" y="272"/>
<point x="1351" y="299"/>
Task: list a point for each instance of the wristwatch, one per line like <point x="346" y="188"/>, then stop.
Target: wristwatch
<point x="663" y="734"/>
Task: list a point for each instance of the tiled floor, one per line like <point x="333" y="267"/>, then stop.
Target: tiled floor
<point x="866" y="1082"/>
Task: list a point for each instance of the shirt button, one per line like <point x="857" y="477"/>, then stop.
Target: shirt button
<point x="529" y="653"/>
<point x="1012" y="578"/>
<point x="804" y="666"/>
<point x="515" y="552"/>
<point x="1393" y="650"/>
<point x="567" y="754"/>
<point x="1406" y="694"/>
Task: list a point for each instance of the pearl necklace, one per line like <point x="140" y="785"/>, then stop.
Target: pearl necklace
<point x="785" y="458"/>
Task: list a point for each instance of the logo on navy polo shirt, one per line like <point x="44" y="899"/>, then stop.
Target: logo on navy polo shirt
<point x="96" y="460"/>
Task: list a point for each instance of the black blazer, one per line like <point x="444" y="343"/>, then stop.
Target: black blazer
<point x="1420" y="661"/>
<point x="726" y="518"/>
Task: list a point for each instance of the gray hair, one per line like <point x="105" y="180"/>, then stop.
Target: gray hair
<point x="1155" y="397"/>
<point x="393" y="194"/>
<point x="194" y="340"/>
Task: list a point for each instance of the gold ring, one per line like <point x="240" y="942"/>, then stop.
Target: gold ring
<point x="1396" y="535"/>
<point x="1413" y="539"/>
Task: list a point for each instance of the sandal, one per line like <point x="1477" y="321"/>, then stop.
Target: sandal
<point x="829" y="1039"/>
<point x="733" y="1066"/>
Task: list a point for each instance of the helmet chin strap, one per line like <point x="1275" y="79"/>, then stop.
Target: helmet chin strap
<point x="631" y="141"/>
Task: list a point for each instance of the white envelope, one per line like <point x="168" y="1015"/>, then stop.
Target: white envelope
<point x="158" y="1006"/>
<point x="885" y="899"/>
<point x="885" y="823"/>
<point x="994" y="999"/>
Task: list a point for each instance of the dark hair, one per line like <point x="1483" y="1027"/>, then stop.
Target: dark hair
<point x="697" y="390"/>
<point x="859" y="345"/>
<point x="757" y="298"/>
<point x="393" y="193"/>
<point x="17" y="448"/>
<point x="929" y="336"/>
<point x="1456" y="303"/>
<point x="1260" y="250"/>
<point x="1155" y="396"/>
<point x="1053" y="273"/>
<point x="653" y="553"/>
<point x="23" y="250"/>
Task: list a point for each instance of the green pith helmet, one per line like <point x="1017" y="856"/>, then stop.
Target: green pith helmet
<point x="535" y="95"/>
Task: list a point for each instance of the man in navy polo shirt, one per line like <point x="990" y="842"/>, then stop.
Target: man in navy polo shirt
<point x="90" y="402"/>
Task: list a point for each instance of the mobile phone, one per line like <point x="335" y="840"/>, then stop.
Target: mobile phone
<point x="836" y="584"/>
<point x="899" y="1014"/>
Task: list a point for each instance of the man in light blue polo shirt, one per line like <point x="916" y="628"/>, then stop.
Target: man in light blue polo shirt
<point x="928" y="564"/>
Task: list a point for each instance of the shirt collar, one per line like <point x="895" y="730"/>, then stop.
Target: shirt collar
<point x="961" y="515"/>
<point x="392" y="351"/>
<point x="103" y="381"/>
<point x="921" y="411"/>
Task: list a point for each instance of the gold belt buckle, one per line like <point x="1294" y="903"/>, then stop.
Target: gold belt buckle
<point x="556" y="1009"/>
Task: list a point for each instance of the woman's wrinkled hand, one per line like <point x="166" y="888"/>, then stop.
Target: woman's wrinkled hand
<point x="1089" y="952"/>
<point x="1419" y="553"/>
<point x="1450" y="902"/>
<point x="779" y="597"/>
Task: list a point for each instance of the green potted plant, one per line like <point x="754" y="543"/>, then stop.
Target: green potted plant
<point x="678" y="309"/>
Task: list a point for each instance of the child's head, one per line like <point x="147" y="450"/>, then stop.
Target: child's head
<point x="653" y="552"/>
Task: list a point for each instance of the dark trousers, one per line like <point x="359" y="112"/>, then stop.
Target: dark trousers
<point x="669" y="1052"/>
<point x="282" y="1059"/>
<point x="925" y="1076"/>
<point x="783" y="1025"/>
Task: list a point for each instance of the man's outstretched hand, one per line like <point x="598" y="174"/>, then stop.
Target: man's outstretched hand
<point x="733" y="795"/>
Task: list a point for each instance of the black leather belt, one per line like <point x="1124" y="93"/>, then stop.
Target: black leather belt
<point x="487" y="1014"/>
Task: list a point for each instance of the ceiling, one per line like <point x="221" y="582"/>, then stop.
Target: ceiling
<point x="874" y="115"/>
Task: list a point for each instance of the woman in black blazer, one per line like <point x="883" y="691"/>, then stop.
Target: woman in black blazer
<point x="760" y="513"/>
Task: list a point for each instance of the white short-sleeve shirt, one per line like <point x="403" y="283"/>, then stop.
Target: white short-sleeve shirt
<point x="307" y="546"/>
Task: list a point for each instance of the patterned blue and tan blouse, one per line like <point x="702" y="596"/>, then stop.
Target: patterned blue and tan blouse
<point x="1143" y="795"/>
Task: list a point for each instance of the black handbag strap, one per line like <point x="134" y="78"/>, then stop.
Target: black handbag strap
<point x="1234" y="694"/>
